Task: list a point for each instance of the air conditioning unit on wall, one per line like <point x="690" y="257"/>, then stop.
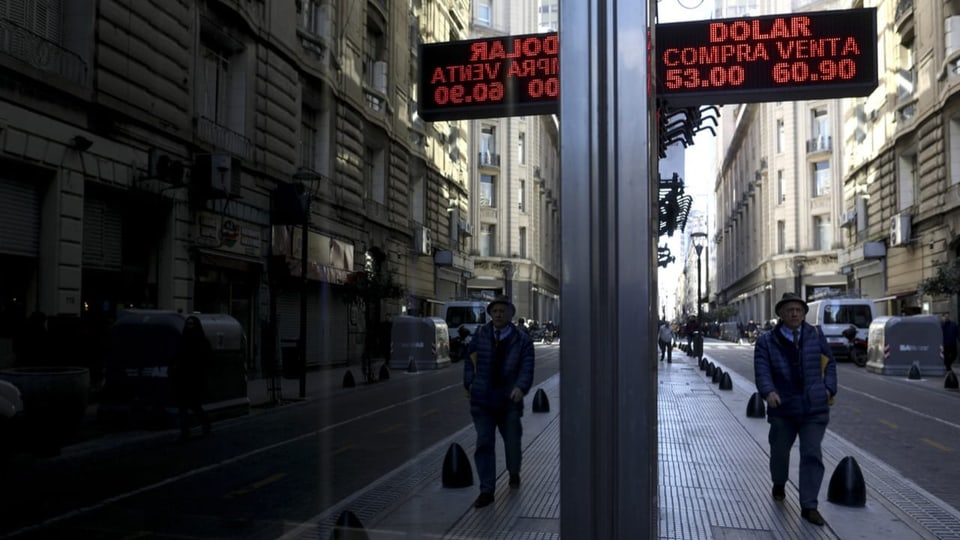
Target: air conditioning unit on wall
<point x="423" y="240"/>
<point x="900" y="230"/>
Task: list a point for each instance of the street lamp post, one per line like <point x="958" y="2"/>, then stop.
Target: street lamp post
<point x="699" y="240"/>
<point x="303" y="176"/>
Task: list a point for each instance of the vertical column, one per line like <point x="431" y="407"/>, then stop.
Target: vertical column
<point x="608" y="382"/>
<point x="61" y="237"/>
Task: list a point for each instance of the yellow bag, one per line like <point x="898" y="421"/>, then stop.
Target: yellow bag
<point x="824" y="360"/>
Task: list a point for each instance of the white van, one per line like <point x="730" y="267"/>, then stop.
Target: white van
<point x="470" y="314"/>
<point x="834" y="315"/>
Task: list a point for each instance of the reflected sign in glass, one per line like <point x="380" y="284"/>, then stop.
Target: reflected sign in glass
<point x="490" y="77"/>
<point x="815" y="55"/>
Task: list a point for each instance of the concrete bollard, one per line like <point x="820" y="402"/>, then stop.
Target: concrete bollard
<point x="457" y="472"/>
<point x="717" y="375"/>
<point x="710" y="369"/>
<point x="348" y="380"/>
<point x="540" y="401"/>
<point x="950" y="381"/>
<point x="726" y="383"/>
<point x="348" y="527"/>
<point x="914" y="372"/>
<point x="847" y="487"/>
<point x="384" y="372"/>
<point x="412" y="366"/>
<point x="756" y="408"/>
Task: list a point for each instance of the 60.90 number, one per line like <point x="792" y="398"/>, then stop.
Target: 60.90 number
<point x="716" y="77"/>
<point x="479" y="93"/>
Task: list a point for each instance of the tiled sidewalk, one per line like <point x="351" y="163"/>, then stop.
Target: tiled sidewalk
<point x="713" y="478"/>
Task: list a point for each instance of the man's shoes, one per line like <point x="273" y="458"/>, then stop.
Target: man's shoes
<point x="485" y="499"/>
<point x="811" y="515"/>
<point x="778" y="492"/>
<point x="514" y="480"/>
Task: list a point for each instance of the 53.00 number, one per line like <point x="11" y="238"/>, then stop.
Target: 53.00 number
<point x="716" y="77"/>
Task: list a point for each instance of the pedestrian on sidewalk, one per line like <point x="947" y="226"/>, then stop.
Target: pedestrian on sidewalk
<point x="798" y="387"/>
<point x="951" y="334"/>
<point x="498" y="375"/>
<point x="665" y="340"/>
<point x="189" y="373"/>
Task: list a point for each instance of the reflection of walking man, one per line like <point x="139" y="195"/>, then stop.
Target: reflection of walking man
<point x="188" y="372"/>
<point x="796" y="382"/>
<point x="665" y="340"/>
<point x="951" y="334"/>
<point x="498" y="375"/>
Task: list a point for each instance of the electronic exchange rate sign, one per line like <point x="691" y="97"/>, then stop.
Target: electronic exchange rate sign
<point x="490" y="77"/>
<point x="815" y="55"/>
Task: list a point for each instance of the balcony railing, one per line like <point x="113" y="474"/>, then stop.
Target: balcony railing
<point x="488" y="159"/>
<point x="41" y="53"/>
<point x="224" y="138"/>
<point x="819" y="144"/>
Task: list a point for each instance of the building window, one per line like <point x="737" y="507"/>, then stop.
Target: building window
<point x="40" y="17"/>
<point x="781" y="188"/>
<point x="375" y="177"/>
<point x="821" y="178"/>
<point x="906" y="74"/>
<point x="781" y="236"/>
<point x="374" y="59"/>
<point x="522" y="148"/>
<point x="487" y="240"/>
<point x="522" y="196"/>
<point x="907" y="175"/>
<point x="485" y="12"/>
<point x="523" y="242"/>
<point x="316" y="17"/>
<point x="780" y="133"/>
<point x="315" y="140"/>
<point x="488" y="191"/>
<point x="820" y="129"/>
<point x="823" y="230"/>
<point x="955" y="150"/>
<point x="488" y="145"/>
<point x="221" y="87"/>
<point x="417" y="199"/>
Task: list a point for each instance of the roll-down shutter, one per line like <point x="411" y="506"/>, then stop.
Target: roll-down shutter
<point x="19" y="218"/>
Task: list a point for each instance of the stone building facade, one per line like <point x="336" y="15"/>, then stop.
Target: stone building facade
<point x="151" y="152"/>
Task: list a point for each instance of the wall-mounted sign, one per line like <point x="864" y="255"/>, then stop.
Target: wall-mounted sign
<point x="815" y="55"/>
<point x="490" y="77"/>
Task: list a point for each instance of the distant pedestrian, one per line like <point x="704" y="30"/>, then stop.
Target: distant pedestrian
<point x="665" y="340"/>
<point x="797" y="375"/>
<point x="497" y="376"/>
<point x="951" y="335"/>
<point x="189" y="372"/>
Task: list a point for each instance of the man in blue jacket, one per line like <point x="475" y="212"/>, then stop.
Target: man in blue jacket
<point x="498" y="375"/>
<point x="797" y="376"/>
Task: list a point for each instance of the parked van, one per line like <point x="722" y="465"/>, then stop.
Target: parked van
<point x="898" y="343"/>
<point x="834" y="315"/>
<point x="471" y="315"/>
<point x="142" y="344"/>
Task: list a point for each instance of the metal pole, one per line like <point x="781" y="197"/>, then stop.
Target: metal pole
<point x="699" y="296"/>
<point x="302" y="342"/>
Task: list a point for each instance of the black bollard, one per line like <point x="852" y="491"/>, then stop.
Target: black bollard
<point x="348" y="381"/>
<point x="709" y="370"/>
<point x="703" y="364"/>
<point x="914" y="372"/>
<point x="412" y="366"/>
<point x="756" y="408"/>
<point x="847" y="487"/>
<point x="726" y="383"/>
<point x="348" y="527"/>
<point x="457" y="472"/>
<point x="950" y="382"/>
<point x="717" y="375"/>
<point x="540" y="401"/>
<point x="384" y="372"/>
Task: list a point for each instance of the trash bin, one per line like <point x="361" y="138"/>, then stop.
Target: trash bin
<point x="293" y="365"/>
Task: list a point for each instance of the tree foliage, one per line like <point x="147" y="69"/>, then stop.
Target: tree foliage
<point x="946" y="282"/>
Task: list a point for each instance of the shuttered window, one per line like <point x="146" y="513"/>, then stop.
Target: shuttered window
<point x="42" y="17"/>
<point x="102" y="235"/>
<point x="19" y="218"/>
